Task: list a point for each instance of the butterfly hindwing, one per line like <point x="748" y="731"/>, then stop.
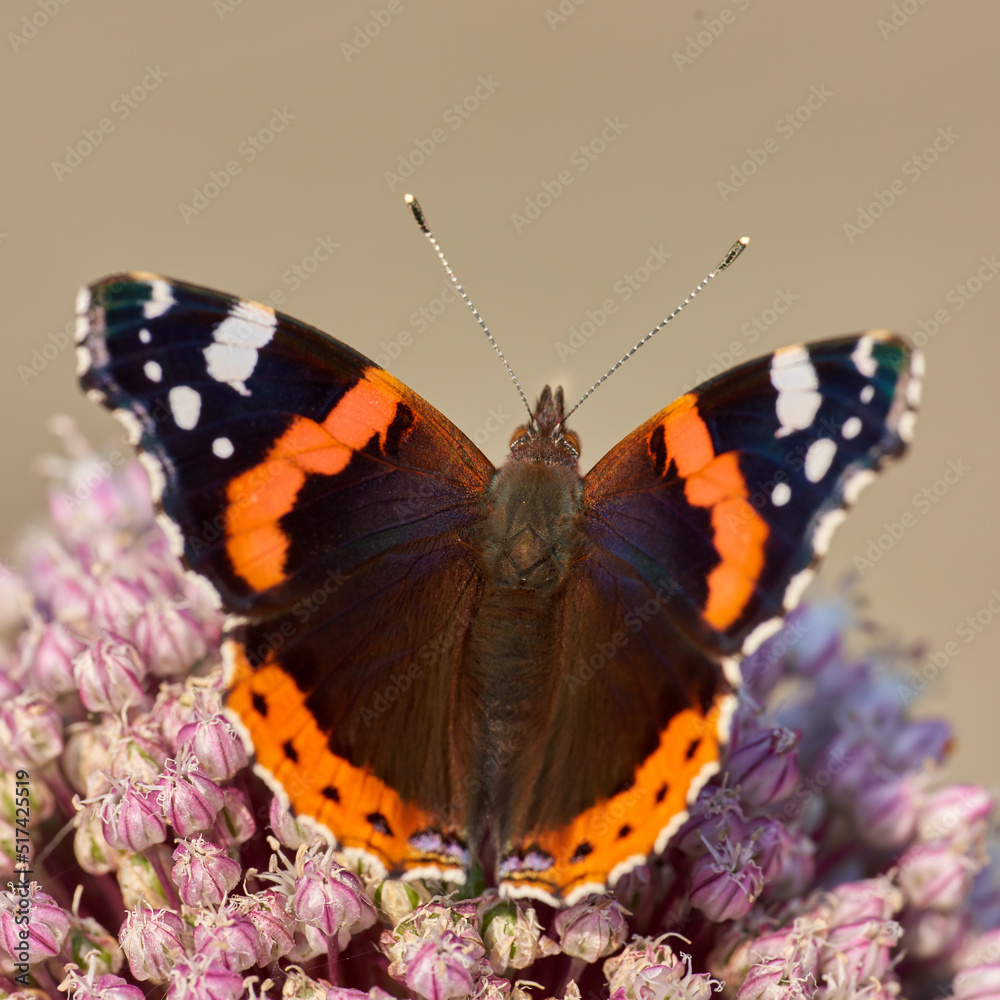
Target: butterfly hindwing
<point x="324" y="500"/>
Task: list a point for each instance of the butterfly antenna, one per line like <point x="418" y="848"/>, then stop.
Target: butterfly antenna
<point x="419" y="216"/>
<point x="734" y="251"/>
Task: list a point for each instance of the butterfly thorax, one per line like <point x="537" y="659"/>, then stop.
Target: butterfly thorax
<point x="530" y="510"/>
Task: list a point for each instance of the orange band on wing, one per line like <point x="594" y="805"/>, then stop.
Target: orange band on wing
<point x="351" y="802"/>
<point x="716" y="482"/>
<point x="627" y="826"/>
<point x="261" y="496"/>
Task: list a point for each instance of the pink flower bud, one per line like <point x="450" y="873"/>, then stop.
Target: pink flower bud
<point x="513" y="937"/>
<point x="917" y="742"/>
<point x="94" y="987"/>
<point x="440" y="968"/>
<point x="135" y="755"/>
<point x="725" y="882"/>
<point x="769" y="980"/>
<point x="69" y="596"/>
<point x="47" y="922"/>
<point x="716" y="815"/>
<point x="592" y="929"/>
<point x="862" y="948"/>
<point x="227" y="937"/>
<point x="886" y="811"/>
<point x="117" y="603"/>
<point x="866" y="899"/>
<point x="771" y="842"/>
<point x="930" y="934"/>
<point x="935" y="876"/>
<point x="980" y="982"/>
<point x="172" y="711"/>
<point x="957" y="814"/>
<point x="30" y="732"/>
<point x="46" y="656"/>
<point x="169" y="638"/>
<point x="764" y="766"/>
<point x="268" y="912"/>
<point x="204" y="978"/>
<point x="216" y="744"/>
<point x="109" y="675"/>
<point x="235" y="823"/>
<point x="153" y="941"/>
<point x="331" y="898"/>
<point x="798" y="868"/>
<point x="188" y="797"/>
<point x="203" y="872"/>
<point x="131" y="817"/>
<point x="979" y="949"/>
<point x="284" y="824"/>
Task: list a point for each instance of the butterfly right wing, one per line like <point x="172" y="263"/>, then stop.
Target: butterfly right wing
<point x="700" y="529"/>
<point x="326" y="503"/>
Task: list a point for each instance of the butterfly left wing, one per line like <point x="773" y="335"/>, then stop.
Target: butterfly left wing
<point x="325" y="502"/>
<point x="701" y="529"/>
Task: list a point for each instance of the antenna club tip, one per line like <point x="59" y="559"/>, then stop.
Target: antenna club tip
<point x="418" y="214"/>
<point x="743" y="239"/>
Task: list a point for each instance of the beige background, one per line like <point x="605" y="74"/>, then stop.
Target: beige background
<point x="221" y="69"/>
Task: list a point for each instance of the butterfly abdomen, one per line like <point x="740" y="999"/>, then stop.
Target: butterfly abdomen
<point x="527" y="541"/>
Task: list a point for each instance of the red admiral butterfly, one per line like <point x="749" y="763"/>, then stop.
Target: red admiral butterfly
<point x="444" y="663"/>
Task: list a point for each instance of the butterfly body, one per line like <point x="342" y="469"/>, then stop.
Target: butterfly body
<point x="442" y="663"/>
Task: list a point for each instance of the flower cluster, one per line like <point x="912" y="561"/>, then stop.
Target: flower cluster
<point x="827" y="859"/>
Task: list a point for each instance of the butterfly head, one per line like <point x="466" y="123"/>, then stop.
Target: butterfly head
<point x="544" y="438"/>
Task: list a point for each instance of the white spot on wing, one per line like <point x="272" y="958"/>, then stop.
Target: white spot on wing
<point x="866" y="393"/>
<point x="907" y="422"/>
<point x="731" y="669"/>
<point x="851" y="428"/>
<point x="157" y="484"/>
<point x="83" y="360"/>
<point x="863" y="359"/>
<point x="913" y="392"/>
<point x="857" y="482"/>
<point x="83" y="301"/>
<point x="222" y="447"/>
<point x="828" y="524"/>
<point x="185" y="405"/>
<point x="761" y="634"/>
<point x="153" y="371"/>
<point x="233" y="355"/>
<point x="145" y="336"/>
<point x="160" y="299"/>
<point x="795" y="378"/>
<point x="781" y="494"/>
<point x="796" y="588"/>
<point x="917" y="366"/>
<point x="82" y="328"/>
<point x="819" y="457"/>
<point x="133" y="429"/>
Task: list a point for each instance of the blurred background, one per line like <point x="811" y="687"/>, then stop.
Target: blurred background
<point x="584" y="164"/>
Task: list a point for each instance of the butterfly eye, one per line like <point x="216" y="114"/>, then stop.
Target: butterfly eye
<point x="520" y="435"/>
<point x="572" y="442"/>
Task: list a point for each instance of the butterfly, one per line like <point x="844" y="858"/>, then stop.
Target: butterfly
<point x="447" y="665"/>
